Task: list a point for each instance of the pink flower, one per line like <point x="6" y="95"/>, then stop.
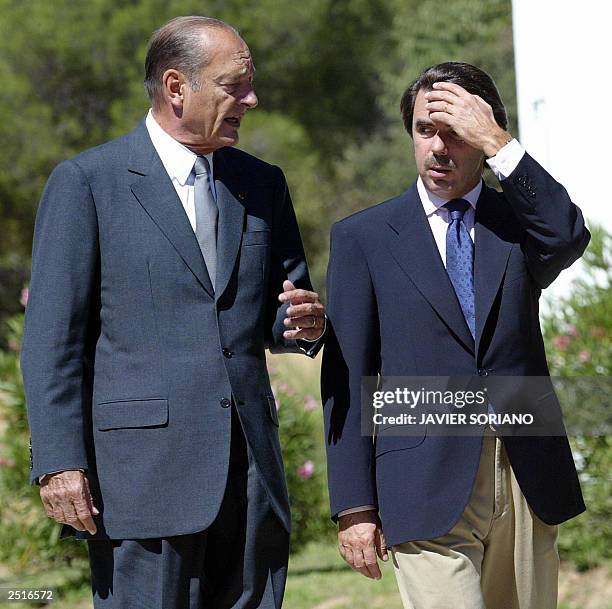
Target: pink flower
<point x="8" y="462"/>
<point x="13" y="345"/>
<point x="572" y="331"/>
<point x="562" y="341"/>
<point x="310" y="403"/>
<point x="306" y="470"/>
<point x="25" y="293"/>
<point x="584" y="356"/>
<point x="286" y="389"/>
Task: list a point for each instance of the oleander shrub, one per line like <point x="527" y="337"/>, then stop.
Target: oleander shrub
<point x="579" y="344"/>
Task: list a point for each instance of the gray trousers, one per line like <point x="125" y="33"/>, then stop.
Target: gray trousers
<point x="239" y="562"/>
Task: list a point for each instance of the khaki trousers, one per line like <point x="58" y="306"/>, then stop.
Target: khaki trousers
<point x="498" y="556"/>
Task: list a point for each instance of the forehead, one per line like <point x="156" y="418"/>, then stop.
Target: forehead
<point x="230" y="55"/>
<point x="419" y="106"/>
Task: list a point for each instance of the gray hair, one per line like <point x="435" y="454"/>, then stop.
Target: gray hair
<point x="178" y="45"/>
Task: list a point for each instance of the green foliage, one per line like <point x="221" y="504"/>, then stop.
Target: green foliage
<point x="29" y="541"/>
<point x="304" y="457"/>
<point x="579" y="344"/>
<point x="329" y="77"/>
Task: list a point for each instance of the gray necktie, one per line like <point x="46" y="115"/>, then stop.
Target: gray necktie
<point x="207" y="215"/>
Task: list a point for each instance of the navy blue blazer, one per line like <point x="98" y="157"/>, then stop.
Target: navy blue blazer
<point x="130" y="360"/>
<point x="393" y="312"/>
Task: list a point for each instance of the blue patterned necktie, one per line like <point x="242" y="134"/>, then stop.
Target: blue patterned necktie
<point x="460" y="260"/>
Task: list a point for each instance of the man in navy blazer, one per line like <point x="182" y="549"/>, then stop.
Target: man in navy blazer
<point x="164" y="263"/>
<point x="444" y="281"/>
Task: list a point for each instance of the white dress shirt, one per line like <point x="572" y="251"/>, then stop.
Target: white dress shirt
<point x="502" y="165"/>
<point x="178" y="161"/>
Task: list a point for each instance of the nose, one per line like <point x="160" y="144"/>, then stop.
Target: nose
<point x="250" y="99"/>
<point x="438" y="145"/>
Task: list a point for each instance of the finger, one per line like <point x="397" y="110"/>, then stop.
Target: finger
<point x="85" y="516"/>
<point x="307" y="308"/>
<point x="87" y="493"/>
<point x="288" y="286"/>
<point x="482" y="102"/>
<point x="71" y="518"/>
<point x="381" y="545"/>
<point x="307" y="333"/>
<point x="47" y="505"/>
<point x="369" y="556"/>
<point x="452" y="87"/>
<point x="446" y="96"/>
<point x="366" y="573"/>
<point x="439" y="106"/>
<point x="298" y="296"/>
<point x="57" y="512"/>
<point x="308" y="322"/>
<point x="442" y="117"/>
<point x="348" y="556"/>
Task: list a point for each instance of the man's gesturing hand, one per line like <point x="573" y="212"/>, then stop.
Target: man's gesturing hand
<point x="305" y="315"/>
<point x="360" y="539"/>
<point x="67" y="499"/>
<point x="469" y="116"/>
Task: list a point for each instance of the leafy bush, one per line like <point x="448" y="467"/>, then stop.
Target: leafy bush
<point x="579" y="344"/>
<point x="29" y="541"/>
<point x="303" y="452"/>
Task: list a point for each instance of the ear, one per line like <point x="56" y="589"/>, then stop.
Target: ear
<point x="173" y="87"/>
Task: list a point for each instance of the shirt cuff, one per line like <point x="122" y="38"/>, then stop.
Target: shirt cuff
<point x="361" y="508"/>
<point x="506" y="159"/>
<point x="314" y="340"/>
<point x="41" y="478"/>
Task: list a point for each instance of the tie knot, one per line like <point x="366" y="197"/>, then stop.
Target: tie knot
<point x="456" y="208"/>
<point x="201" y="166"/>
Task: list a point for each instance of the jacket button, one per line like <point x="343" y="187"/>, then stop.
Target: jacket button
<point x="225" y="403"/>
<point x="227" y="353"/>
<point x="483" y="372"/>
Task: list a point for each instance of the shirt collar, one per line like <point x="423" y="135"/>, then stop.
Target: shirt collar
<point x="432" y="203"/>
<point x="176" y="158"/>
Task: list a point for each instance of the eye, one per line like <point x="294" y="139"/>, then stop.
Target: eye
<point x="426" y="131"/>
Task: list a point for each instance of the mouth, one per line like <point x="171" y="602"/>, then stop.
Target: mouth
<point x="234" y="121"/>
<point x="438" y="171"/>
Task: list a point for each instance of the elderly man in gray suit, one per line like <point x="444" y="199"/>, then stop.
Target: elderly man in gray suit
<point x="164" y="263"/>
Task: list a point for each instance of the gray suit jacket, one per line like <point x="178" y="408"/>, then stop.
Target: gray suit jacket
<point x="130" y="360"/>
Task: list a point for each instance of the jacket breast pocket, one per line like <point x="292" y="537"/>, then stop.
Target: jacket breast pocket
<point x="130" y="414"/>
<point x="256" y="237"/>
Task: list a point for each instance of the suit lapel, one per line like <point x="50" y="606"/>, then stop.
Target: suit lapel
<point x="231" y="219"/>
<point x="490" y="258"/>
<point x="413" y="246"/>
<point x="154" y="191"/>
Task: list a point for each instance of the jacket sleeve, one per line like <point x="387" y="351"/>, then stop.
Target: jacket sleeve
<point x="555" y="232"/>
<point x="287" y="261"/>
<point x="60" y="323"/>
<point x="352" y="351"/>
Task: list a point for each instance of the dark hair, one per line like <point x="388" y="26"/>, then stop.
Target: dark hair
<point x="472" y="79"/>
<point x="178" y="45"/>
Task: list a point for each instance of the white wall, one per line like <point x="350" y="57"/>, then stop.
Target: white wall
<point x="564" y="90"/>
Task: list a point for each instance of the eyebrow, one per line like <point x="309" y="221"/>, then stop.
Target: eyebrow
<point x="229" y="78"/>
<point x="421" y="122"/>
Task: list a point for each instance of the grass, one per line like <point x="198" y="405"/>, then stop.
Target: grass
<point x="319" y="579"/>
